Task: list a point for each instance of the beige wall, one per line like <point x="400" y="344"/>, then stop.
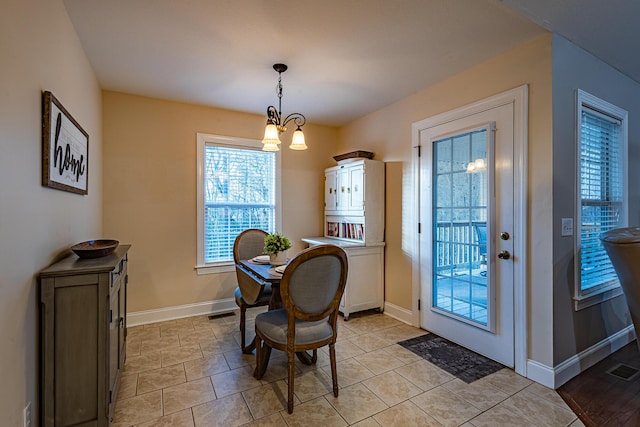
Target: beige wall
<point x="387" y="132"/>
<point x="150" y="192"/>
<point x="39" y="51"/>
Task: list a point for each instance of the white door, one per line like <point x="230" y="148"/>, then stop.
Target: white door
<point x="466" y="211"/>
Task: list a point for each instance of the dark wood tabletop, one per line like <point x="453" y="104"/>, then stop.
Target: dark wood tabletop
<point x="262" y="272"/>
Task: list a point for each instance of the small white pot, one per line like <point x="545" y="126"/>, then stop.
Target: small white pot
<point x="278" y="259"/>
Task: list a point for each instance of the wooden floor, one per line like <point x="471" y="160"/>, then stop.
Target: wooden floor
<point x="602" y="399"/>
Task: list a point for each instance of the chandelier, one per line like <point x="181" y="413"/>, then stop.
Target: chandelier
<point x="276" y="124"/>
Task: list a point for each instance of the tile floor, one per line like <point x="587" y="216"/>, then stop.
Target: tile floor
<point x="191" y="372"/>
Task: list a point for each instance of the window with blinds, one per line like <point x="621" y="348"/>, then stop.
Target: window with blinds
<point x="601" y="177"/>
<point x="237" y="186"/>
<point x="239" y="194"/>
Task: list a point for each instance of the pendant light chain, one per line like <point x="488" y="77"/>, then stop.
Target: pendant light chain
<point x="279" y="92"/>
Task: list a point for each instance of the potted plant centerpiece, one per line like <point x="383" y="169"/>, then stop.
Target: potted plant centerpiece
<point x="275" y="245"/>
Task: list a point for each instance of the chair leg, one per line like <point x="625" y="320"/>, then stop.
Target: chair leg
<point x="258" y="371"/>
<point x="334" y="370"/>
<point x="314" y="358"/>
<point x="291" y="360"/>
<point x="243" y="311"/>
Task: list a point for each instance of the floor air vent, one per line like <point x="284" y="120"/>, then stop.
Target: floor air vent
<point x="218" y="316"/>
<point x="624" y="372"/>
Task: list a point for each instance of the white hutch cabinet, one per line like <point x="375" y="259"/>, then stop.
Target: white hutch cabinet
<point x="354" y="220"/>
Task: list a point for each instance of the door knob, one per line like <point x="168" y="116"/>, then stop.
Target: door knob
<point x="504" y="235"/>
<point x="504" y="255"/>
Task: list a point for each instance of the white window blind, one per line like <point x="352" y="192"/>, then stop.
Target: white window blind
<point x="601" y="194"/>
<point x="239" y="193"/>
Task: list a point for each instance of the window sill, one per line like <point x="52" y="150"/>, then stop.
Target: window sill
<point x="600" y="297"/>
<point x="215" y="269"/>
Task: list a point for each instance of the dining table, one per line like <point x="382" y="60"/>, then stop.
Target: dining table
<point x="264" y="274"/>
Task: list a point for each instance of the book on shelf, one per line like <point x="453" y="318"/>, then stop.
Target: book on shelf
<point x="345" y="230"/>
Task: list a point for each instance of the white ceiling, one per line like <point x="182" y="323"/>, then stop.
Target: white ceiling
<point x="346" y="58"/>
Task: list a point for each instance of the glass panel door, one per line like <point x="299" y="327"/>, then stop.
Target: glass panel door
<point x="466" y="206"/>
<point x="460" y="212"/>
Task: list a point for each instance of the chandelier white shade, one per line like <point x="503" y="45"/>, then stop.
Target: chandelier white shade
<point x="271" y="134"/>
<point x="297" y="142"/>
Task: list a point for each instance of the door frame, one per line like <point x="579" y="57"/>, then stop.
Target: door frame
<point x="518" y="97"/>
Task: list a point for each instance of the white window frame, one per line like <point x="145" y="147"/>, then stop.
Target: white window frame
<point x="202" y="140"/>
<point x="600" y="293"/>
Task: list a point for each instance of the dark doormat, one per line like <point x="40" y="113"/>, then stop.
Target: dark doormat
<point x="449" y="356"/>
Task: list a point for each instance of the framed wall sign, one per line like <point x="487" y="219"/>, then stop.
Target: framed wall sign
<point x="65" y="149"/>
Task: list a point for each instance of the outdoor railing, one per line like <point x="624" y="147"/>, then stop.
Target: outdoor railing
<point x="458" y="245"/>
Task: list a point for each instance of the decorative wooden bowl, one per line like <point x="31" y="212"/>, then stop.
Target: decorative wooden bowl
<point x="95" y="248"/>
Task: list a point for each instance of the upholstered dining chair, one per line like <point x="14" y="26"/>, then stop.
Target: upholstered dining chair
<point x="248" y="244"/>
<point x="311" y="288"/>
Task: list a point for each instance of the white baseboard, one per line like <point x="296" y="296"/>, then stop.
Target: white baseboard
<point x="398" y="313"/>
<point x="589" y="357"/>
<point x="178" y="312"/>
<point x="223" y="306"/>
<point x="560" y="374"/>
<point x="540" y="373"/>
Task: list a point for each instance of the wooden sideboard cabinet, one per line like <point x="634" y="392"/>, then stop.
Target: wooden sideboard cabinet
<point x="83" y="332"/>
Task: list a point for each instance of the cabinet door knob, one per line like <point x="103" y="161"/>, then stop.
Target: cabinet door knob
<point x="504" y="255"/>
